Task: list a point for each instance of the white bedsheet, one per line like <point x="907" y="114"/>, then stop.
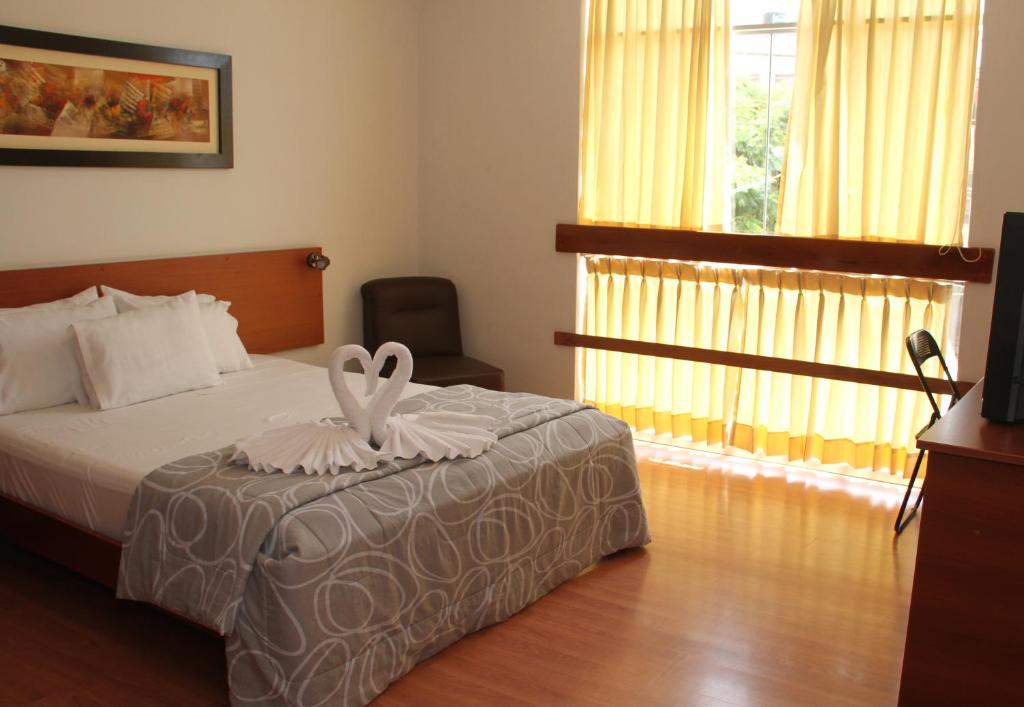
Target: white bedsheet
<point x="83" y="465"/>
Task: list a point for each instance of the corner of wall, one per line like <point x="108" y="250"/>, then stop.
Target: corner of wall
<point x="999" y="153"/>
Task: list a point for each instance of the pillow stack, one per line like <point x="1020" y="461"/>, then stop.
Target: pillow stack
<point x="219" y="327"/>
<point x="114" y="350"/>
<point x="37" y="354"/>
<point x="144" y="354"/>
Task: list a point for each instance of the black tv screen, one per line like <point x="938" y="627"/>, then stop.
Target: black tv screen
<point x="1004" y="370"/>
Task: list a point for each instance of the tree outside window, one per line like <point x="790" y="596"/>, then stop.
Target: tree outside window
<point x="763" y="64"/>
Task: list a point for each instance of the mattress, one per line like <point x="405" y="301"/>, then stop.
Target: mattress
<point x="83" y="465"/>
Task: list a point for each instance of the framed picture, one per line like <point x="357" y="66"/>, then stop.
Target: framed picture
<point x="77" y="101"/>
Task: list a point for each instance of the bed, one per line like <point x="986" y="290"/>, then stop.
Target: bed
<point x="83" y="465"/>
<point x="326" y="589"/>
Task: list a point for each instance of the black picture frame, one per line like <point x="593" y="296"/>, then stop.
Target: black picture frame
<point x="221" y="63"/>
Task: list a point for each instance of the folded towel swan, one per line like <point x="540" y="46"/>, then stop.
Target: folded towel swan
<point x="323" y="447"/>
<point x="434" y="435"/>
<point x="327" y="447"/>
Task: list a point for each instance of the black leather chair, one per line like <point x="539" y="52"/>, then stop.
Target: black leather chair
<point x="423" y="314"/>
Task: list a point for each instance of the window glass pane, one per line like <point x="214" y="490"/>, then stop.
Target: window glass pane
<point x="757" y="12"/>
<point x="764" y="63"/>
<point x="751" y="54"/>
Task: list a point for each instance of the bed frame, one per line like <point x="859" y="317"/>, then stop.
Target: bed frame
<point x="276" y="297"/>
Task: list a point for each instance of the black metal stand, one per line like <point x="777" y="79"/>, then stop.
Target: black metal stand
<point x="921" y="346"/>
<point x="901" y="521"/>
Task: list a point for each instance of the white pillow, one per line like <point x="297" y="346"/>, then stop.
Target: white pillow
<point x="220" y="328"/>
<point x="221" y="331"/>
<point x="126" y="301"/>
<point x="145" y="354"/>
<point x="37" y="355"/>
<point x="83" y="297"/>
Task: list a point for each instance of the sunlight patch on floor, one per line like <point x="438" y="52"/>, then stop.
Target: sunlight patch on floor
<point x="886" y="494"/>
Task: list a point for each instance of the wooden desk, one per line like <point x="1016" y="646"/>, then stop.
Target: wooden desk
<point x="965" y="639"/>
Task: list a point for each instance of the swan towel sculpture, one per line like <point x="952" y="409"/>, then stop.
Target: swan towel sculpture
<point x="368" y="436"/>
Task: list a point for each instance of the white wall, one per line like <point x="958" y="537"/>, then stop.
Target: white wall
<point x="498" y="163"/>
<point x="499" y="107"/>
<point x="325" y="120"/>
<point x="438" y="136"/>
<point x="998" y="163"/>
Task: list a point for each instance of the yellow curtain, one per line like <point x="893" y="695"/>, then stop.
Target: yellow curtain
<point x="655" y="116"/>
<point x="877" y="149"/>
<point x="686" y="304"/>
<point x="879" y="131"/>
<point x="846" y="320"/>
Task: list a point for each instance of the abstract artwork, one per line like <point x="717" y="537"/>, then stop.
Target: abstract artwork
<point x="77" y="101"/>
<point x="70" y="101"/>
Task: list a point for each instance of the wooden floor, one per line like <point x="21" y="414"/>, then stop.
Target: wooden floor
<point x="761" y="587"/>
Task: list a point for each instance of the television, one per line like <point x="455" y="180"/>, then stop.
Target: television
<point x="1004" y="371"/>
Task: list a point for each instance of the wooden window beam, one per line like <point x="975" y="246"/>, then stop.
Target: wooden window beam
<point x="825" y="254"/>
<point x="812" y="369"/>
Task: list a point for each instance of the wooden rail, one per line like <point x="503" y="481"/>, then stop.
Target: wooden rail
<point x="832" y="255"/>
<point x="813" y="369"/>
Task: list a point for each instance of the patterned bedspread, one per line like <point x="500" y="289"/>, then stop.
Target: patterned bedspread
<point x="330" y="588"/>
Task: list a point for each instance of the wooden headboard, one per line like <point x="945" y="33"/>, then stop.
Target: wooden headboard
<point x="276" y="297"/>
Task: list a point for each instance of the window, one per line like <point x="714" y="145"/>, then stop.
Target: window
<point x="848" y="119"/>
<point x="763" y="67"/>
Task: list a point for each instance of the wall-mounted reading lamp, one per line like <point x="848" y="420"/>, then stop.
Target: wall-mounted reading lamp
<point x="317" y="261"/>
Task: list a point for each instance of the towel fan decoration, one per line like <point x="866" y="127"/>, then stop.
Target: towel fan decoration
<point x="368" y="436"/>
